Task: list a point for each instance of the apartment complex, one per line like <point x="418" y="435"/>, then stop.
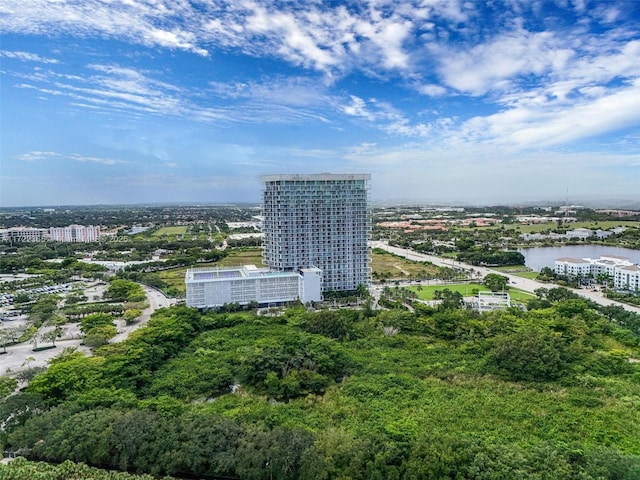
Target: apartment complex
<point x="23" y="234"/>
<point x="623" y="272"/>
<point x="72" y="233"/>
<point x="321" y="221"/>
<point x="214" y="287"/>
<point x="75" y="233"/>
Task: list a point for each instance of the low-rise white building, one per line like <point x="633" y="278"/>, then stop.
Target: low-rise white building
<point x="489" y="301"/>
<point x="579" y="233"/>
<point x="627" y="278"/>
<point x="214" y="287"/>
<point x="572" y="266"/>
<point x="624" y="273"/>
<point x="23" y="234"/>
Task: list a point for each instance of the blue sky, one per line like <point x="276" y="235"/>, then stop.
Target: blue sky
<point x="442" y="101"/>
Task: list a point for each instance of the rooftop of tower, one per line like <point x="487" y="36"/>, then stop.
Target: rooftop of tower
<point x="315" y="176"/>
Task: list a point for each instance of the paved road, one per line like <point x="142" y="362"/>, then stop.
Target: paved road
<point x="20" y="357"/>
<point x="156" y="300"/>
<point x="525" y="284"/>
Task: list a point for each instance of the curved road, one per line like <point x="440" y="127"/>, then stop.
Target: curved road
<point x="525" y="284"/>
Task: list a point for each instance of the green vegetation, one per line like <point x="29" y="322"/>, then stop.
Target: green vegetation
<point x="21" y="469"/>
<point x="495" y="282"/>
<point x="594" y="225"/>
<point x="518" y="271"/>
<point x="435" y="393"/>
<point x="125" y="291"/>
<point x="466" y="289"/>
<point x="170" y="231"/>
<point x="480" y="255"/>
<point x="530" y="275"/>
<point x="242" y="256"/>
<point x="518" y="295"/>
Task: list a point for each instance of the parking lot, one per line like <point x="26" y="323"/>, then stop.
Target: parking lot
<point x="21" y="356"/>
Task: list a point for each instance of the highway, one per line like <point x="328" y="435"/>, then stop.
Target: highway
<point x="525" y="284"/>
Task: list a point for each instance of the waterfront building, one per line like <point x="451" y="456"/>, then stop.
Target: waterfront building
<point x="627" y="278"/>
<point x="624" y="273"/>
<point x="215" y="287"/>
<point x="321" y="221"/>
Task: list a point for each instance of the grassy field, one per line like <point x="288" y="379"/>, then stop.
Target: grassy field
<point x="518" y="271"/>
<point x="250" y="256"/>
<point x="518" y="295"/>
<point x="531" y="275"/>
<point x="398" y="267"/>
<point x="167" y="231"/>
<point x="605" y="225"/>
<point x="541" y="227"/>
<point x="512" y="269"/>
<point x="466" y="289"/>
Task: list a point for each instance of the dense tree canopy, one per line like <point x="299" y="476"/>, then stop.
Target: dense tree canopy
<point x="434" y="393"/>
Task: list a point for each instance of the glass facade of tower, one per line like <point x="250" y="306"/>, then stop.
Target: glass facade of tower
<point x="321" y="221"/>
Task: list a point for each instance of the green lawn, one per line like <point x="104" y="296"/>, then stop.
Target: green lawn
<point x="466" y="289"/>
<point x="531" y="275"/>
<point x="518" y="271"/>
<point x="512" y="269"/>
<point x="175" y="230"/>
<point x="604" y="225"/>
<point x="518" y="295"/>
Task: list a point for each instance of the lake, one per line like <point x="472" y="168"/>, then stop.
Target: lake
<point x="539" y="257"/>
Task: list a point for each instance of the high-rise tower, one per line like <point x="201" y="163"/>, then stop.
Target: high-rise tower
<point x="320" y="220"/>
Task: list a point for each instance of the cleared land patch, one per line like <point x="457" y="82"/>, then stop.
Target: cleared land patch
<point x="392" y="266"/>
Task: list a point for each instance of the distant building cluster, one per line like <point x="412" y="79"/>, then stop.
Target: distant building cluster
<point x="619" y="213"/>
<point x="536" y="219"/>
<point x="624" y="273"/>
<point x="316" y="230"/>
<point x="412" y="223"/>
<point x="577" y="234"/>
<point x="71" y="233"/>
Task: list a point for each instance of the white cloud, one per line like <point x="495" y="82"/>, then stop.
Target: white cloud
<point x="497" y="64"/>
<point x="358" y="108"/>
<point x="27" y="57"/>
<point x="37" y="156"/>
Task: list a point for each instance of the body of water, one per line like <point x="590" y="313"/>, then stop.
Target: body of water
<point x="539" y="257"/>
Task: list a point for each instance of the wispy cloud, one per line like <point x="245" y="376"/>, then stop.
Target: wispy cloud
<point x="37" y="156"/>
<point x="27" y="57"/>
<point x="479" y="79"/>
